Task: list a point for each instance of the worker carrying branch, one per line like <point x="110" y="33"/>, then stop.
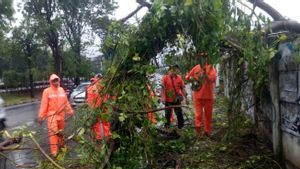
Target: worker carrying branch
<point x="54" y="105"/>
<point x="203" y="79"/>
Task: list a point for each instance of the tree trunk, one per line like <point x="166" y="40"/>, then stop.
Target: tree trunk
<point x="29" y="64"/>
<point x="57" y="62"/>
<point x="78" y="61"/>
<point x="53" y="42"/>
<point x="77" y="51"/>
<point x="58" y="65"/>
<point x="30" y="76"/>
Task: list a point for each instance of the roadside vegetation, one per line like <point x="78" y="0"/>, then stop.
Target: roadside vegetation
<point x="19" y="98"/>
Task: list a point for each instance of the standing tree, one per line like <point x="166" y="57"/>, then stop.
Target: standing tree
<point x="6" y="13"/>
<point x="70" y="20"/>
<point x="77" y="16"/>
<point x="3" y="54"/>
<point x="25" y="36"/>
<point x="45" y="16"/>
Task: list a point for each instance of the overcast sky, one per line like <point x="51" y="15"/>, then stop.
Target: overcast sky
<point x="126" y="7"/>
<point x="288" y="8"/>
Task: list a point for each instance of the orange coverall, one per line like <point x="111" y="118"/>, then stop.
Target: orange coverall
<point x="151" y="115"/>
<point x="54" y="105"/>
<point x="170" y="84"/>
<point x="203" y="98"/>
<point x="94" y="100"/>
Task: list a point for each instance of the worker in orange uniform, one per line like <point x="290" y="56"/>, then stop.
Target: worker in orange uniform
<point x="54" y="105"/>
<point x="203" y="83"/>
<point x="173" y="93"/>
<point x="94" y="100"/>
<point x="92" y="95"/>
<point x="151" y="115"/>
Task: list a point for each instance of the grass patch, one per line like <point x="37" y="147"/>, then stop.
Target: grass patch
<point x="18" y="98"/>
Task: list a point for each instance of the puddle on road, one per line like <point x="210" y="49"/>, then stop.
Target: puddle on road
<point x="27" y="157"/>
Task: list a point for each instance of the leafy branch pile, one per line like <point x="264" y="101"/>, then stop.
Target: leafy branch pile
<point x="204" y="25"/>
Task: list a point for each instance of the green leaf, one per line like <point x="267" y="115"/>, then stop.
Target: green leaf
<point x="104" y="116"/>
<point x="80" y="131"/>
<point x="136" y="57"/>
<point x="282" y="38"/>
<point x="224" y="148"/>
<point x="217" y="4"/>
<point x="188" y="2"/>
<point x="115" y="135"/>
<point x="62" y="154"/>
<point x="122" y="117"/>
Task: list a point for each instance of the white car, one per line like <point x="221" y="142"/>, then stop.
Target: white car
<point x="2" y="116"/>
<point x="78" y="96"/>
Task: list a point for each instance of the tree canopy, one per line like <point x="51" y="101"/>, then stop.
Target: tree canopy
<point x="6" y="13"/>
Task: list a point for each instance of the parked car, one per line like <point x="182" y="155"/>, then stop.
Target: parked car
<point x="78" y="96"/>
<point x="69" y="87"/>
<point x="2" y="127"/>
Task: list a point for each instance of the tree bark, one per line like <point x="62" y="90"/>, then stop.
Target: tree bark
<point x="58" y="63"/>
<point x="30" y="76"/>
<point x="9" y="142"/>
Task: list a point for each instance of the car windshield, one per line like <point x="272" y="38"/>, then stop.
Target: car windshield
<point x="81" y="87"/>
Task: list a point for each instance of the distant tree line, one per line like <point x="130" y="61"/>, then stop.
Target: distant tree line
<point x="51" y="37"/>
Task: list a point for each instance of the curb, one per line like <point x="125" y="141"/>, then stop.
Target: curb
<point x="21" y="105"/>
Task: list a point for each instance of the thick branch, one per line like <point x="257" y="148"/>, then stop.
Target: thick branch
<point x="44" y="153"/>
<point x="131" y="14"/>
<point x="233" y="43"/>
<point x="108" y="155"/>
<point x="269" y="9"/>
<point x="142" y="3"/>
<point x="152" y="110"/>
<point x="8" y="142"/>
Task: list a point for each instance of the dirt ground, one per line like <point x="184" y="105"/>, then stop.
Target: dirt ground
<point x="246" y="149"/>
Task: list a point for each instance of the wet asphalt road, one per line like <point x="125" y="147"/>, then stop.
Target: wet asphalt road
<point x="17" y="117"/>
<point x="21" y="115"/>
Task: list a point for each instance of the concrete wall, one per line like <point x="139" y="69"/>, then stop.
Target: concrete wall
<point x="280" y="110"/>
<point x="289" y="90"/>
<point x="278" y="114"/>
